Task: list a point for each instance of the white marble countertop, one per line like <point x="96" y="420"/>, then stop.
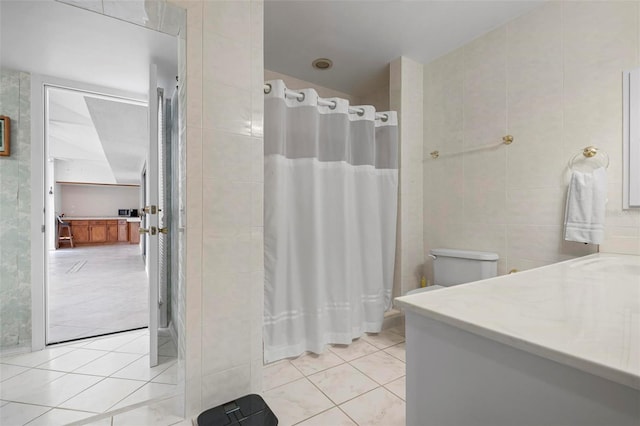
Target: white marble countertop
<point x="127" y="218"/>
<point x="583" y="312"/>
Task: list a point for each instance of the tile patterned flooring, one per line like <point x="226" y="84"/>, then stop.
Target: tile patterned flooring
<point x="95" y="290"/>
<point x="71" y="382"/>
<point x="359" y="384"/>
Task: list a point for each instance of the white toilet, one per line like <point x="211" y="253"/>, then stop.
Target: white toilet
<point x="453" y="267"/>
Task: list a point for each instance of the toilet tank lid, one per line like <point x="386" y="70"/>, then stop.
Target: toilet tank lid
<point x="464" y="254"/>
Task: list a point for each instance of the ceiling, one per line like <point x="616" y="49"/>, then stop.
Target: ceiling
<point x="55" y="39"/>
<point x="363" y="37"/>
<point x="96" y="139"/>
<point x="93" y="139"/>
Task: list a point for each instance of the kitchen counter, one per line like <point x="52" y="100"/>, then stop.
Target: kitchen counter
<point x="558" y="344"/>
<point x="129" y="219"/>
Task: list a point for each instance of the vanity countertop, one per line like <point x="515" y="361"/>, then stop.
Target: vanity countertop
<point x="583" y="312"/>
<point x="127" y="218"/>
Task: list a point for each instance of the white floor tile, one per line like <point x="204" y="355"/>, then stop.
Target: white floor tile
<point x="72" y="360"/>
<point x="384" y="339"/>
<point x="398" y="351"/>
<point x="168" y="349"/>
<point x="112" y="342"/>
<point x="59" y="417"/>
<point x="296" y="401"/>
<point x="397" y="330"/>
<point x="7" y="371"/>
<point x="184" y="422"/>
<point x="342" y="383"/>
<point x="27" y="382"/>
<point x="103" y="395"/>
<point x="100" y="422"/>
<point x="381" y="367"/>
<point x="59" y="390"/>
<point x="32" y="359"/>
<point x="399" y="387"/>
<point x="312" y="363"/>
<point x="378" y="407"/>
<point x="358" y="348"/>
<point x="333" y="417"/>
<point x="140" y="345"/>
<point x="20" y="414"/>
<point x="107" y="364"/>
<point x="168" y="376"/>
<point x="140" y="370"/>
<point x="279" y="373"/>
<point x="145" y="393"/>
<point x="156" y="414"/>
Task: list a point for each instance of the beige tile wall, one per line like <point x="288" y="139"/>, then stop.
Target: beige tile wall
<point x="405" y="96"/>
<point x="378" y="97"/>
<point x="224" y="272"/>
<point x="552" y="79"/>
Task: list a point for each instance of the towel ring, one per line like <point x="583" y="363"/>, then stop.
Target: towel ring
<point x="590" y="152"/>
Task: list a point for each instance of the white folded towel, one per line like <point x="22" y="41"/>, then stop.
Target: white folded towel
<point x="585" y="211"/>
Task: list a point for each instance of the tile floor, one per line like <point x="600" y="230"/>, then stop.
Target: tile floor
<point x="95" y="290"/>
<point x="359" y="384"/>
<point x="68" y="383"/>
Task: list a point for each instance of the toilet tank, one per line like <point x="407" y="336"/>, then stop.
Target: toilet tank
<point x="452" y="266"/>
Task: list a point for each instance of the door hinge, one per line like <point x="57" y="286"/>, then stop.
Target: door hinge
<point x="41" y="228"/>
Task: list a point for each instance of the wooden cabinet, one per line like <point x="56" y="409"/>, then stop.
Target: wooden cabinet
<point x="123" y="231"/>
<point x="80" y="231"/>
<point x="112" y="231"/>
<point x="97" y="231"/>
<point x="108" y="231"/>
<point x="134" y="234"/>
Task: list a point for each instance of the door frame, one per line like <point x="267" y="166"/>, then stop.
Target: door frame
<point x="39" y="249"/>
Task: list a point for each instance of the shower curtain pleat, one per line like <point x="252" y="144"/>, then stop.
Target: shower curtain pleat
<point x="330" y="221"/>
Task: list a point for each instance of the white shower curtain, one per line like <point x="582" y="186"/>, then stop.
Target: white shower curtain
<point x="331" y="182"/>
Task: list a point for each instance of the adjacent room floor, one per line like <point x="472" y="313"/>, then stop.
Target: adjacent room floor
<point x="361" y="384"/>
<point x="70" y="382"/>
<point x="96" y="290"/>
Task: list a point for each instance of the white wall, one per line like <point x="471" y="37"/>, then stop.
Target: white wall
<point x="553" y="80"/>
<point x="406" y="97"/>
<point x="224" y="190"/>
<point x="97" y="200"/>
<point x="15" y="219"/>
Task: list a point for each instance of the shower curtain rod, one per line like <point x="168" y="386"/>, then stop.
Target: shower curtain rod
<point x="331" y="104"/>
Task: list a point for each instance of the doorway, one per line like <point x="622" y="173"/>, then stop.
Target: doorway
<point x="101" y="52"/>
<point x="96" y="282"/>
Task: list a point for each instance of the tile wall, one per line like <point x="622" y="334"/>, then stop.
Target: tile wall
<point x="224" y="190"/>
<point x="405" y="96"/>
<point x="15" y="215"/>
<point x="378" y="97"/>
<point x="552" y="79"/>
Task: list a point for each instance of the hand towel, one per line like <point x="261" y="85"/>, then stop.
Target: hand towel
<point x="585" y="210"/>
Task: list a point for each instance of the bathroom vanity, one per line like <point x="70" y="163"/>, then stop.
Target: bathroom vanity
<point x="557" y="345"/>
